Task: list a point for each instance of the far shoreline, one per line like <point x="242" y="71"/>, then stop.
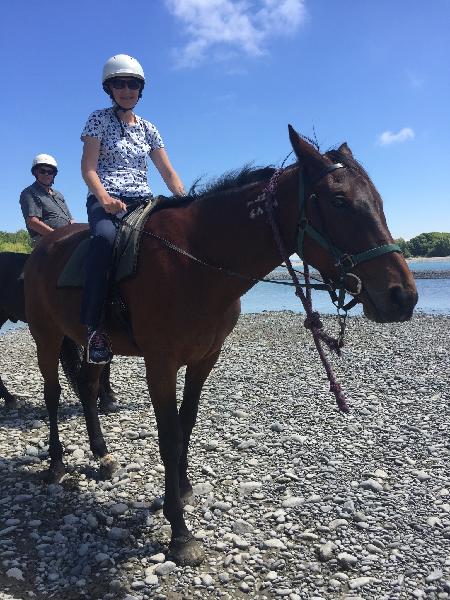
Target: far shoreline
<point x="429" y="259"/>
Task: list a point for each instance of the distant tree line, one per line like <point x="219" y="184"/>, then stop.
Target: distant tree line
<point x="434" y="243"/>
<point x="15" y="242"/>
<point x="425" y="244"/>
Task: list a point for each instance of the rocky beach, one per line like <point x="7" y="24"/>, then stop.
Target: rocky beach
<point x="292" y="498"/>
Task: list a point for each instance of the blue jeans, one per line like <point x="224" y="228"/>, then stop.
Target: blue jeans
<point x="104" y="229"/>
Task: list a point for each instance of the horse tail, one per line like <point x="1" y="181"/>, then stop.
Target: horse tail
<point x="71" y="357"/>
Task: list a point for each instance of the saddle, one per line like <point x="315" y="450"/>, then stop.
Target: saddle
<point x="126" y="248"/>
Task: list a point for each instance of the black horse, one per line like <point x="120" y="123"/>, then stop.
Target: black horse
<point x="12" y="308"/>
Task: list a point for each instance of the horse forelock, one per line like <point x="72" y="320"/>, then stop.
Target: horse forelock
<point x="351" y="163"/>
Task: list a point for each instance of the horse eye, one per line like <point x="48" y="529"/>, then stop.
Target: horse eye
<point x="339" y="201"/>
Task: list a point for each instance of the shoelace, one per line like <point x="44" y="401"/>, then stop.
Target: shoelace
<point x="99" y="341"/>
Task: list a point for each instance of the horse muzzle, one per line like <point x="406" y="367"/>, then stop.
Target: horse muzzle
<point x="396" y="304"/>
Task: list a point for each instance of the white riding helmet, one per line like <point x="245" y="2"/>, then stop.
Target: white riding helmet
<point x="122" y="64"/>
<point x="44" y="159"/>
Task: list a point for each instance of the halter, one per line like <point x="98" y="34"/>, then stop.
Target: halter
<point x="345" y="261"/>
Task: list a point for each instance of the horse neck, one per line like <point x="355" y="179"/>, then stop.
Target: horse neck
<point x="233" y="231"/>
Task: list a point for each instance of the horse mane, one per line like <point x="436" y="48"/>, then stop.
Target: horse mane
<point x="248" y="174"/>
<point x="230" y="180"/>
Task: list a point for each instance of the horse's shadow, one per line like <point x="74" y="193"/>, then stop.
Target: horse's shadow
<point x="28" y="411"/>
<point x="79" y="540"/>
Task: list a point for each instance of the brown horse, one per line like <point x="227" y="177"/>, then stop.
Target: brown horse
<point x="182" y="310"/>
<point x="12" y="308"/>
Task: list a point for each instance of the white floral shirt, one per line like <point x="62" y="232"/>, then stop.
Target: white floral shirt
<point x="122" y="163"/>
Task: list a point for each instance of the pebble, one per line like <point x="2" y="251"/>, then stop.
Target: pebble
<point x="371" y="484"/>
<point x="359" y="582"/>
<point x="274" y="543"/>
<point x="15" y="573"/>
<point x="165" y="568"/>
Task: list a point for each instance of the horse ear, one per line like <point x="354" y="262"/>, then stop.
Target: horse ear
<point x="344" y="149"/>
<point x="308" y="156"/>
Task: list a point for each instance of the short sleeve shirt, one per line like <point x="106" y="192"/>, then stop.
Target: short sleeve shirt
<point x="48" y="207"/>
<point x="123" y="158"/>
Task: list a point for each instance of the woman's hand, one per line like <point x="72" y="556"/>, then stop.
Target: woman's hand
<point x="112" y="205"/>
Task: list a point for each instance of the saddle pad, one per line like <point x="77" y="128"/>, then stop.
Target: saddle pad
<point x="126" y="250"/>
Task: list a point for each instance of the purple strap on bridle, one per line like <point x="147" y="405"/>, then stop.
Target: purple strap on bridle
<point x="312" y="321"/>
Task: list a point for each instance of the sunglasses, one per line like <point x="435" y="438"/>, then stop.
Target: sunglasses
<point x="46" y="172"/>
<point x="131" y="84"/>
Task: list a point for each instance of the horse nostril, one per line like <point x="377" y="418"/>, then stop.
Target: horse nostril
<point x="404" y="299"/>
<point x="397" y="295"/>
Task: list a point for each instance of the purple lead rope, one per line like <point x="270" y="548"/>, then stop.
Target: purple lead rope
<point x="312" y="321"/>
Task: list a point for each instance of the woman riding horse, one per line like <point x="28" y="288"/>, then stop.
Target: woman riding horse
<point x="114" y="166"/>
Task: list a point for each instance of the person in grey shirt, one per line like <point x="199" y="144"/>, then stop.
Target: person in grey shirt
<point x="43" y="208"/>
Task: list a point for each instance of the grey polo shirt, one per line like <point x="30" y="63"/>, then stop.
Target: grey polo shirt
<point x="48" y="207"/>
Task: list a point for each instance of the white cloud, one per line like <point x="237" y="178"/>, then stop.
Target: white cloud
<point x="388" y="137"/>
<point x="243" y="25"/>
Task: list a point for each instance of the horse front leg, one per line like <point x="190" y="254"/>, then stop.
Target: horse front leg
<point x="196" y="376"/>
<point x="88" y="386"/>
<point x="161" y="378"/>
<point x="48" y="356"/>
<point x="107" y="398"/>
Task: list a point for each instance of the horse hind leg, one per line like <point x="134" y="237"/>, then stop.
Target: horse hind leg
<point x="10" y="400"/>
<point x="107" y="398"/>
<point x="196" y="376"/>
<point x="89" y="387"/>
<point x="48" y="357"/>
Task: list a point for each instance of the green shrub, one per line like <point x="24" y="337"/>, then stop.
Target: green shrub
<point x="15" y="242"/>
<point x="430" y="244"/>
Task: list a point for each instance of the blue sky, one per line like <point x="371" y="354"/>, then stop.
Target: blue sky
<point x="225" y="77"/>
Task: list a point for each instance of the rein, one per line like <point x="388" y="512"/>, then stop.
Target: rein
<point x="223" y="270"/>
<point x="345" y="261"/>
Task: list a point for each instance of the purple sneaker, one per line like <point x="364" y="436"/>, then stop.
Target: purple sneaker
<point x="98" y="351"/>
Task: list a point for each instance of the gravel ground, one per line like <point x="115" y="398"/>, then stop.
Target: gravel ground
<point x="292" y="499"/>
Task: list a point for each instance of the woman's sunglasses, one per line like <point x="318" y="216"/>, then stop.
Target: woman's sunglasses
<point x="131" y="84"/>
<point x="46" y="172"/>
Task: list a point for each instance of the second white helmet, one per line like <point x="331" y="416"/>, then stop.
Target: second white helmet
<point x="122" y="65"/>
<point x="44" y="159"/>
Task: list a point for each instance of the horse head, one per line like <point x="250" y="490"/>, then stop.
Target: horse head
<point x="344" y="235"/>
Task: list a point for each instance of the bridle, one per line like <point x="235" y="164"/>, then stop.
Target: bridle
<point x="343" y="260"/>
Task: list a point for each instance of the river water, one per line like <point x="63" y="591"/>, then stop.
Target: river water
<point x="434" y="294"/>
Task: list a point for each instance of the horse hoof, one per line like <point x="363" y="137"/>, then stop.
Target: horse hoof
<point x="54" y="474"/>
<point x="186" y="552"/>
<point x="108" y="407"/>
<point x="108" y="466"/>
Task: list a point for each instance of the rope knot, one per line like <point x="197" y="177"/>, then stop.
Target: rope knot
<point x="313" y="321"/>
